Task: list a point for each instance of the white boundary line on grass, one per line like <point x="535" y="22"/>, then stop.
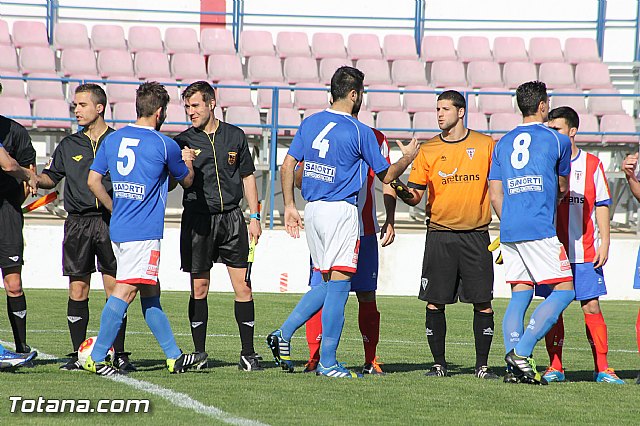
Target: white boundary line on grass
<point x="178" y="399"/>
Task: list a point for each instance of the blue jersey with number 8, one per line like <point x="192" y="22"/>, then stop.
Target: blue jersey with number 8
<point x="528" y="161"/>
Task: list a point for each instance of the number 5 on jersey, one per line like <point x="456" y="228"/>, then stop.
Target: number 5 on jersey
<point x="320" y="143"/>
<point x="125" y="151"/>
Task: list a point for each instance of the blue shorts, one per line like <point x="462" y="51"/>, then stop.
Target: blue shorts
<point x="587" y="282"/>
<point x="636" y="275"/>
<point x="366" y="276"/>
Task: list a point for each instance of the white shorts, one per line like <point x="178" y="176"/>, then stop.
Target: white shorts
<point x="333" y="235"/>
<point x="536" y="262"/>
<point x="138" y="261"/>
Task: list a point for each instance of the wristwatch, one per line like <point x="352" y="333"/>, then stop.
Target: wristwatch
<point x="254" y="216"/>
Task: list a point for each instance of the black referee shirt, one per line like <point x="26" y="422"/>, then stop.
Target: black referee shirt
<point x="17" y="142"/>
<point x="71" y="159"/>
<point x="222" y="160"/>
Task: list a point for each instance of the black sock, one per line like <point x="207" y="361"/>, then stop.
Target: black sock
<point x="436" y="325"/>
<point x="483" y="332"/>
<point x="17" y="311"/>
<point x="77" y="320"/>
<point x="118" y="344"/>
<point x="198" y="316"/>
<point x="245" y="317"/>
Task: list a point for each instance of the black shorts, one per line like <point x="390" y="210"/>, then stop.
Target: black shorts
<point x="85" y="239"/>
<point x="457" y="265"/>
<point x="209" y="238"/>
<point x="11" y="241"/>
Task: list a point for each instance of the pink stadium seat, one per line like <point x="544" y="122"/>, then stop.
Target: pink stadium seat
<point x="516" y="73"/>
<point x="232" y="96"/>
<point x="425" y="120"/>
<point x="310" y="99"/>
<point x="181" y="40"/>
<point x="328" y="67"/>
<point x="366" y="117"/>
<point x="113" y="63"/>
<point x="300" y="70"/>
<point x="509" y="49"/>
<point x="545" y="49"/>
<point x="376" y="71"/>
<point x="383" y="101"/>
<point x="474" y="48"/>
<point x="397" y="120"/>
<point x="217" y="41"/>
<point x="5" y="37"/>
<point x="174" y="92"/>
<point x="44" y="89"/>
<point x="594" y="75"/>
<point x="12" y="88"/>
<point x="588" y="123"/>
<point x="264" y="68"/>
<point x="8" y="59"/>
<point x="477" y="121"/>
<point x="68" y="35"/>
<point x="363" y="46"/>
<point x="578" y="50"/>
<point x="328" y="45"/>
<point x="51" y="108"/>
<point x="618" y="123"/>
<point x="447" y="73"/>
<point x="438" y="48"/>
<point x="557" y="75"/>
<point x="503" y="121"/>
<point x="490" y="104"/>
<point x="105" y="37"/>
<point x="124" y="111"/>
<point x="286" y="117"/>
<point x="414" y="102"/>
<point x="16" y="107"/>
<point x="399" y="46"/>
<point x="78" y="61"/>
<point x="408" y="72"/>
<point x="188" y="66"/>
<point x="37" y="59"/>
<point x="256" y="43"/>
<point x="145" y="39"/>
<point x="238" y="115"/>
<point x="601" y="105"/>
<point x="575" y="102"/>
<point x="175" y="114"/>
<point x="265" y="95"/>
<point x="225" y="67"/>
<point x="292" y="43"/>
<point x="121" y="93"/>
<point x="150" y="65"/>
<point x="29" y="33"/>
<point x="484" y="74"/>
<point x="309" y="112"/>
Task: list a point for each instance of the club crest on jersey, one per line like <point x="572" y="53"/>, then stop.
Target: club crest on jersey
<point x="231" y="159"/>
<point x="77" y="157"/>
<point x="578" y="174"/>
<point x="470" y="152"/>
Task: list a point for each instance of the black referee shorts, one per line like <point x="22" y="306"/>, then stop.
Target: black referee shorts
<point x="11" y="241"/>
<point x="209" y="238"/>
<point x="85" y="239"/>
<point x="457" y="265"/>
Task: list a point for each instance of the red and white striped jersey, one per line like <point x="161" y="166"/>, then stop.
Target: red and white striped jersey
<point x="367" y="197"/>
<point x="576" y="221"/>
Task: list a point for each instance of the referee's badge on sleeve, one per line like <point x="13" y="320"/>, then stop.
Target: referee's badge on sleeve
<point x="232" y="158"/>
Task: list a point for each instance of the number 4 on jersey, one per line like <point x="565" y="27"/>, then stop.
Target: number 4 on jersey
<point x="320" y="143"/>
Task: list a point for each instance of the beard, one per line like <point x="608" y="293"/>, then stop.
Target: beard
<point x="357" y="104"/>
<point x="161" y="119"/>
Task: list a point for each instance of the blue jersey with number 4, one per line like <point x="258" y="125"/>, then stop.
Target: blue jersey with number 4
<point x="528" y="161"/>
<point x="139" y="160"/>
<point x="337" y="151"/>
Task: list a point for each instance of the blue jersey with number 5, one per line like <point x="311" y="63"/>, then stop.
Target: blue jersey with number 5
<point x="528" y="161"/>
<point x="337" y="151"/>
<point x="139" y="160"/>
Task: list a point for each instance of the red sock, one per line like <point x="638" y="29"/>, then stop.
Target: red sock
<point x="314" y="335"/>
<point x="597" y="336"/>
<point x="369" y="322"/>
<point x="554" y="341"/>
<point x="638" y="330"/>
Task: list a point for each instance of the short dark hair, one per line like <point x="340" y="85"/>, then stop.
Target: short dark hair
<point x="569" y="115"/>
<point x="529" y="95"/>
<point x="149" y="97"/>
<point x="455" y="97"/>
<point x="98" y="96"/>
<point x="344" y="80"/>
<point x="0" y="88"/>
<point x="207" y="91"/>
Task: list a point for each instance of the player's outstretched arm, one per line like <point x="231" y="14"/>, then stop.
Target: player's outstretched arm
<point x="409" y="153"/>
<point x="97" y="187"/>
<point x="188" y="155"/>
<point x="11" y="167"/>
<point x="496" y="195"/>
<point x="629" y="165"/>
<point x="387" y="232"/>
<point x="251" y="195"/>
<point x="292" y="219"/>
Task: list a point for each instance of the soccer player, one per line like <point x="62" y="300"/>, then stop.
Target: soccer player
<point x="529" y="174"/>
<point x="86" y="230"/>
<point x="335" y="148"/>
<point x="213" y="228"/>
<point x="139" y="159"/>
<point x="453" y="168"/>
<point x="582" y="214"/>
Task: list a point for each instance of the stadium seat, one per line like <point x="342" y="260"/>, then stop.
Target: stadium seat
<point x="545" y="49"/>
<point x="37" y="59"/>
<point x="119" y="93"/>
<point x="292" y="44"/>
<point x="504" y="122"/>
<point x="618" y="123"/>
<point x="233" y="96"/>
<point x="145" y="39"/>
<point x="489" y="104"/>
<point x="217" y="41"/>
<point x="238" y="115"/>
<point x="265" y="96"/>
<point x="51" y="108"/>
<point x="264" y="68"/>
<point x="557" y="75"/>
<point x="578" y="50"/>
<point x="125" y="111"/>
<point x="174" y="92"/>
<point x="509" y="49"/>
<point x="376" y="71"/>
<point x="447" y="73"/>
<point x="76" y="61"/>
<point x="414" y="102"/>
<point x="383" y="101"/>
<point x="309" y="112"/>
<point x="181" y="40"/>
<point x="44" y="89"/>
<point x="29" y="33"/>
<point x="256" y="43"/>
<point x="112" y="63"/>
<point x="67" y="35"/>
<point x="5" y="37"/>
<point x="8" y="59"/>
<point x="408" y="72"/>
<point x="224" y="67"/>
<point x="575" y="102"/>
<point x="286" y="117"/>
<point x="399" y="46"/>
<point x="477" y="121"/>
<point x="425" y="125"/>
<point x="188" y="66"/>
<point x="300" y="70"/>
<point x="394" y="120"/>
<point x="484" y="74"/>
<point x="594" y="75"/>
<point x="516" y="73"/>
<point x="175" y="114"/>
<point x="310" y="99"/>
<point x="328" y="45"/>
<point x="12" y="88"/>
<point x="601" y="105"/>
<point x="474" y="48"/>
<point x="438" y="48"/>
<point x="328" y="67"/>
<point x="363" y="46"/>
<point x="16" y="107"/>
<point x="105" y="37"/>
<point x="366" y="117"/>
<point x="151" y="65"/>
<point x="588" y="123"/>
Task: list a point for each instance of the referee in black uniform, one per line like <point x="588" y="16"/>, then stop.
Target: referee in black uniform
<point x="86" y="229"/>
<point x="213" y="228"/>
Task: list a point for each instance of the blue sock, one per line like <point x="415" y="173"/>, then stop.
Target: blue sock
<point x="110" y="322"/>
<point x="333" y="320"/>
<point x="2" y="349"/>
<point x="513" y="322"/>
<point x="159" y="325"/>
<point x="310" y="303"/>
<point x="543" y="318"/>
